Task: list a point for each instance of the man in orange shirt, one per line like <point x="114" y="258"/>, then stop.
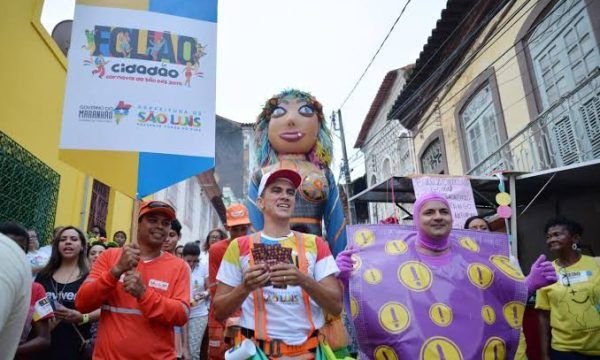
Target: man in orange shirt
<point x="238" y="224"/>
<point x="143" y="292"/>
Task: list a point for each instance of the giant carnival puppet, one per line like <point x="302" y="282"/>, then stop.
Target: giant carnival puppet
<point x="431" y="292"/>
<point x="291" y="132"/>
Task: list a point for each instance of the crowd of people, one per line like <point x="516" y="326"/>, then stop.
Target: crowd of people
<point x="131" y="299"/>
<point x="276" y="282"/>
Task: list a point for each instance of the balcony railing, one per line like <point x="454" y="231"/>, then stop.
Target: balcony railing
<point x="568" y="132"/>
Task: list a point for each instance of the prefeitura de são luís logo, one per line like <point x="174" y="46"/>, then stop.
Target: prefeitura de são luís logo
<point x="118" y="53"/>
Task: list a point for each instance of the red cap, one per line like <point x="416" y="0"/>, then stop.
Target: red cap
<point x="157" y="207"/>
<point x="288" y="174"/>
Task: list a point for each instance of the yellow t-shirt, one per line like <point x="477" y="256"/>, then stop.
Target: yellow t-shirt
<point x="521" y="353"/>
<point x="574" y="304"/>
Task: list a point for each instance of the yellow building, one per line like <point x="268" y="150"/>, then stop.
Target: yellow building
<point x="513" y="86"/>
<point x="36" y="187"/>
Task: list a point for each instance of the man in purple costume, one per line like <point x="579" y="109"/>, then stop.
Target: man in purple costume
<point x="433" y="294"/>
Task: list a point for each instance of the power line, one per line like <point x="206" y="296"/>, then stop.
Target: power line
<point x="479" y="53"/>
<point x="457" y="52"/>
<point x="434" y="92"/>
<point x="473" y="57"/>
<point x="441" y="67"/>
<point x="374" y="56"/>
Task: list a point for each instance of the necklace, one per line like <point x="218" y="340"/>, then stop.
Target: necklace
<point x="59" y="294"/>
<point x="565" y="264"/>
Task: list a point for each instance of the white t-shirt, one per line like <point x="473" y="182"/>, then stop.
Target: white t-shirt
<point x="197" y="286"/>
<point x="38" y="258"/>
<point x="15" y="294"/>
<point x="286" y="311"/>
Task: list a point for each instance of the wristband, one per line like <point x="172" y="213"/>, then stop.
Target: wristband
<point x="85" y="320"/>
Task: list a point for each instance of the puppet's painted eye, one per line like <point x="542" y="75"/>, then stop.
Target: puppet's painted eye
<point x="306" y="110"/>
<point x="278" y="111"/>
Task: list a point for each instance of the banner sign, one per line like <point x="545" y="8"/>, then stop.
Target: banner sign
<point x="457" y="190"/>
<point x="143" y="81"/>
<point x="467" y="304"/>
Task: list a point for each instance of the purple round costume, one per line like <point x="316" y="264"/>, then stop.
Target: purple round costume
<point x="466" y="304"/>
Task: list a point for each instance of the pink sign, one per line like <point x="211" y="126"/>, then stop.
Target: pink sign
<point x="456" y="189"/>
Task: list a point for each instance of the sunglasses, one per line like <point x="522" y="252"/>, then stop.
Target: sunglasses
<point x="159" y="205"/>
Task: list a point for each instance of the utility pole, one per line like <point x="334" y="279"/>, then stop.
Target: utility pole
<point x="345" y="167"/>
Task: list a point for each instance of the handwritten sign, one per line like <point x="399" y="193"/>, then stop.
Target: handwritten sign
<point x="456" y="189"/>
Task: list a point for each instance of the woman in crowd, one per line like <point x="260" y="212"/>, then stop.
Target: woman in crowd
<point x="96" y="248"/>
<point x="213" y="236"/>
<point x="437" y="266"/>
<point x="61" y="278"/>
<point x="477" y="223"/>
<point x="569" y="310"/>
<point x="120" y="238"/>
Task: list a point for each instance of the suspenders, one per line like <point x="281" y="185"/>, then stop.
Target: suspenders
<point x="260" y="313"/>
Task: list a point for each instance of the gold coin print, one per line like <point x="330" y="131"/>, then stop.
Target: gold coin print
<point x="415" y="275"/>
<point x="480" y="275"/>
<point x="396" y="247"/>
<point x="494" y="349"/>
<point x="356" y="262"/>
<point x="488" y="314"/>
<point x="513" y="313"/>
<point x="469" y="244"/>
<point x="364" y="237"/>
<point x="503" y="264"/>
<point x="353" y="307"/>
<point x="393" y="317"/>
<point x="440" y="348"/>
<point x="372" y="276"/>
<point x="440" y="314"/>
<point x="385" y="353"/>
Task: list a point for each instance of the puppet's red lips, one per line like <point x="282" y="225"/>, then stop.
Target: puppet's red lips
<point x="291" y="136"/>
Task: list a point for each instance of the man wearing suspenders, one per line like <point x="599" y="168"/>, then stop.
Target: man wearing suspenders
<point x="282" y="304"/>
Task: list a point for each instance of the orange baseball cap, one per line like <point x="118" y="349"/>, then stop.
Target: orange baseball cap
<point x="157" y="207"/>
<point x="237" y="214"/>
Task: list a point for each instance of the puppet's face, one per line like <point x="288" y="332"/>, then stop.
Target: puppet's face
<point x="293" y="127"/>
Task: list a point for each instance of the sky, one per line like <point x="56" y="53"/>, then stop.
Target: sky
<point x="320" y="46"/>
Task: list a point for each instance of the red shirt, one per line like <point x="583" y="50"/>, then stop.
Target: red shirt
<point x="39" y="293"/>
<point x="137" y="329"/>
<point x="215" y="256"/>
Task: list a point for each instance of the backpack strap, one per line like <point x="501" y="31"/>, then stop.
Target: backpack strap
<point x="303" y="266"/>
<point x="260" y="311"/>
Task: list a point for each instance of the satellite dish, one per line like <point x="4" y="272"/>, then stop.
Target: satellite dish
<point x="62" y="35"/>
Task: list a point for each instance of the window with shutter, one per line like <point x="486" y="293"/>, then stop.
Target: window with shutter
<point x="564" y="53"/>
<point x="590" y="113"/>
<point x="563" y="136"/>
<point x="480" y="126"/>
